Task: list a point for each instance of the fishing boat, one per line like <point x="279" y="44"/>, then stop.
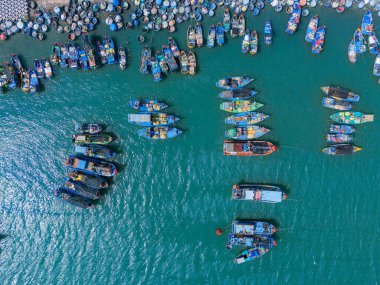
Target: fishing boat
<point x="122" y="58"/>
<point x="234" y="26"/>
<point x="317" y="45"/>
<point x="367" y="23"/>
<point x="101" y="52"/>
<point x="352" y="56"/>
<point x="110" y="50"/>
<point x="311" y="29"/>
<point x="191" y="38"/>
<point x="373" y="44"/>
<point x="341" y="129"/>
<point x="199" y="34"/>
<point x="3" y="80"/>
<point x="96" y="182"/>
<point x="231" y="83"/>
<point x="55" y="54"/>
<point x="211" y="36"/>
<point x="146" y="56"/>
<point x="341" y="149"/>
<point x="245" y="119"/>
<point x="336" y="104"/>
<point x="183" y="60"/>
<point x="254" y="43"/>
<point x="92" y="138"/>
<point x="294" y="19"/>
<point x="156" y="70"/>
<point x="34" y="82"/>
<point x="340" y="93"/>
<point x="64" y="57"/>
<point x="252" y="253"/>
<point x="73" y="55"/>
<point x="237" y="94"/>
<point x="73" y="199"/>
<point x="79" y="189"/>
<point x="250" y="228"/>
<point x="249" y="241"/>
<point x="248" y="148"/>
<point x="96" y="151"/>
<point x="91" y="55"/>
<point x="17" y="63"/>
<point x="12" y="78"/>
<point x="83" y="60"/>
<point x="376" y="66"/>
<point x="339" y="138"/>
<point x="219" y="34"/>
<point x="169" y="57"/>
<point x="47" y="68"/>
<point x="258" y="193"/>
<point x="240" y="106"/>
<point x="227" y="20"/>
<point x="246" y="132"/>
<point x="241" y="24"/>
<point x="25" y="81"/>
<point x="352" y="118"/>
<point x="245" y="45"/>
<point x="88" y="128"/>
<point x="147" y="105"/>
<point x="159" y="133"/>
<point x="39" y="68"/>
<point x="174" y="47"/>
<point x="162" y="61"/>
<point x="359" y="42"/>
<point x="192" y="63"/>
<point x="91" y="166"/>
<point x="268" y="33"/>
<point x="152" y="119"/>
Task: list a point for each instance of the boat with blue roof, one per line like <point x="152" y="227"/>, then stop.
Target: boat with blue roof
<point x="252" y="227"/>
<point x="359" y="42"/>
<point x="245" y="119"/>
<point x="152" y="119"/>
<point x="294" y="19"/>
<point x="367" y="23"/>
<point x="147" y="105"/>
<point x="64" y="56"/>
<point x="341" y="129"/>
<point x="339" y="138"/>
<point x="211" y="36"/>
<point x="319" y="40"/>
<point x="83" y="60"/>
<point x="312" y="29"/>
<point x="242" y="240"/>
<point x="245" y="45"/>
<point x="258" y="193"/>
<point x="34" y="81"/>
<point x="110" y="50"/>
<point x="159" y="133"/>
<point x="220" y="34"/>
<point x="91" y="166"/>
<point x="268" y="33"/>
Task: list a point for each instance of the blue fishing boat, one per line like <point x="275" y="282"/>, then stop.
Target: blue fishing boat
<point x="246" y="132"/>
<point x="162" y="62"/>
<point x="359" y="42"/>
<point x="245" y="119"/>
<point x="219" y="34"/>
<point x="73" y="199"/>
<point x="110" y="50"/>
<point x="96" y="182"/>
<point x="258" y="250"/>
<point x="64" y="56"/>
<point x="294" y="19"/>
<point x="352" y="56"/>
<point x="226" y="20"/>
<point x="91" y="166"/>
<point x="336" y="104"/>
<point x="146" y="56"/>
<point x="311" y="29"/>
<point x="258" y="193"/>
<point x="247" y="240"/>
<point x="38" y="68"/>
<point x="83" y="60"/>
<point x="245" y="45"/>
<point x="268" y="33"/>
<point x="237" y="94"/>
<point x="96" y="151"/>
<point x="352" y="118"/>
<point x="341" y="129"/>
<point x="319" y="40"/>
<point x="231" y="83"/>
<point x="79" y="189"/>
<point x="159" y="133"/>
<point x="211" y="37"/>
<point x="169" y="57"/>
<point x="90" y="52"/>
<point x="17" y="63"/>
<point x="367" y="23"/>
<point x="339" y="138"/>
<point x="152" y="119"/>
<point x="147" y="105"/>
<point x="373" y="44"/>
<point x="254" y="43"/>
<point x="34" y="83"/>
<point x="252" y="227"/>
<point x="101" y="52"/>
<point x="156" y="70"/>
<point x="47" y="68"/>
<point x="376" y="66"/>
<point x="73" y="55"/>
<point x="174" y="47"/>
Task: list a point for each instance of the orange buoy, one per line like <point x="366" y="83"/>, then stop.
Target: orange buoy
<point x="218" y="232"/>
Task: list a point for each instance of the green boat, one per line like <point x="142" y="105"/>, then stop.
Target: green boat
<point x="240" y="106"/>
<point x="352" y="118"/>
<point x="92" y="138"/>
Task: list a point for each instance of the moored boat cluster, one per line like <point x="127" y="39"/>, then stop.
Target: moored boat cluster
<point x="315" y="35"/>
<point x="341" y="132"/>
<point x="89" y="167"/>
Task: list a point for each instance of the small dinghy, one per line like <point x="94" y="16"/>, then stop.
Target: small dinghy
<point x="341" y="149"/>
<point x="249" y="118"/>
<point x="79" y="189"/>
<point x="248" y="148"/>
<point x="147" y="105"/>
<point x="268" y="33"/>
<point x="231" y="83"/>
<point x="340" y="93"/>
<point x="92" y="139"/>
<point x="159" y="133"/>
<point x="342" y="129"/>
<point x="73" y="199"/>
<point x="352" y="118"/>
<point x="91" y="166"/>
<point x="336" y="104"/>
<point x="311" y="29"/>
<point x="246" y="132"/>
<point x="258" y="193"/>
<point x="339" y="138"/>
<point x="88" y="128"/>
<point x="96" y="151"/>
<point x="96" y="182"/>
<point x="237" y="94"/>
<point x="152" y="119"/>
<point x="250" y="228"/>
<point x="240" y="106"/>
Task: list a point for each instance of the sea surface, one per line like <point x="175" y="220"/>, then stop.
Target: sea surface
<point x="156" y="224"/>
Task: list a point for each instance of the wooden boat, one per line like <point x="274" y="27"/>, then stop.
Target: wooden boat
<point x="231" y="83"/>
<point x="252" y="253"/>
<point x="367" y="23"/>
<point x="156" y="70"/>
<point x="340" y="93"/>
<point x="169" y="57"/>
<point x="227" y="20"/>
<point x="246" y="132"/>
<point x="234" y="26"/>
<point x="199" y="34"/>
<point x="339" y="138"/>
<point x="73" y="55"/>
<point x="294" y="19"/>
<point x="91" y="166"/>
<point x="159" y="133"/>
<point x="342" y="129"/>
<point x="25" y="81"/>
<point x="352" y="118"/>
<point x="240" y="106"/>
<point x="55" y="53"/>
<point x="73" y="199"/>
<point x="96" y="151"/>
<point x="39" y="68"/>
<point x="237" y="94"/>
<point x="64" y="56"/>
<point x="152" y="119"/>
<point x="245" y="45"/>
<point x="88" y="128"/>
<point x="254" y="43"/>
<point x="34" y="82"/>
<point x="79" y="189"/>
<point x="101" y="52"/>
<point x="359" y="42"/>
<point x="219" y="34"/>
<point x="249" y="241"/>
<point x="341" y="149"/>
<point x="47" y="68"/>
<point x="83" y="61"/>
<point x="92" y="138"/>
<point x="248" y="148"/>
<point x="352" y="56"/>
<point x="258" y="193"/>
<point x="319" y="40"/>
<point x="312" y="29"/>
<point x="174" y="47"/>
<point x="241" y="25"/>
<point x="245" y="119"/>
<point x="122" y="58"/>
<point x="162" y="62"/>
<point x="95" y="182"/>
<point x="147" y="105"/>
<point x="110" y="50"/>
<point x="192" y="63"/>
<point x="211" y="37"/>
<point x="336" y="104"/>
<point x="191" y="38"/>
<point x="250" y="228"/>
<point x="184" y="62"/>
<point x="146" y="56"/>
<point x="373" y="44"/>
<point x="376" y="66"/>
<point x="268" y="33"/>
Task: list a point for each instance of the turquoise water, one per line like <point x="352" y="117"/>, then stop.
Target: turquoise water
<point x="156" y="225"/>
